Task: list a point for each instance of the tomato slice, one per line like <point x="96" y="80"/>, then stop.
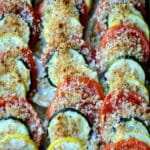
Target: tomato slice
<point x="130" y="144"/>
<point x="82" y="7"/>
<point x="114" y="101"/>
<point x="104" y="8"/>
<point x="26" y="12"/>
<point x="84" y="13"/>
<point x="124" y="39"/>
<point x="80" y="93"/>
<point x="27" y="56"/>
<point x="21" y="109"/>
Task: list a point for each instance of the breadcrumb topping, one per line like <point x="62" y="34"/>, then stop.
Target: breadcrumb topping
<point x="14" y="24"/>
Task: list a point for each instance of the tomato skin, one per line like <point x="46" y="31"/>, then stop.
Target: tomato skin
<point x="34" y="24"/>
<point x="109" y="107"/>
<point x="91" y="52"/>
<point x="29" y="58"/>
<point x="39" y="9"/>
<point x="31" y="117"/>
<point x="129" y="144"/>
<point x="34" y="27"/>
<point x="91" y="84"/>
<point x="84" y="14"/>
<point x="111" y="34"/>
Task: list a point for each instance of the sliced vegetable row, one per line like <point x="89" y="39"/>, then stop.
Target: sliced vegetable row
<point x="122" y="52"/>
<point x="18" y="74"/>
<point x="73" y="112"/>
<point x="61" y="33"/>
<point x="64" y="52"/>
<point x="20" y="126"/>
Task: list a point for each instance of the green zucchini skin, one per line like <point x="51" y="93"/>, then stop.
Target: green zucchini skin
<point x="137" y="119"/>
<point x="46" y="70"/>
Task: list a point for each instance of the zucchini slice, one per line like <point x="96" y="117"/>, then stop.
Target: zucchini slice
<point x="11" y="84"/>
<point x="131" y="128"/>
<point x="122" y="69"/>
<point x="17" y="141"/>
<point x="55" y="27"/>
<point x="71" y="123"/>
<point x="67" y="143"/>
<point x="133" y="85"/>
<point x="12" y="126"/>
<point x="24" y="73"/>
<point x="131" y="19"/>
<point x="14" y="24"/>
<point x="122" y="10"/>
<point x="67" y="63"/>
<point x="11" y="41"/>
